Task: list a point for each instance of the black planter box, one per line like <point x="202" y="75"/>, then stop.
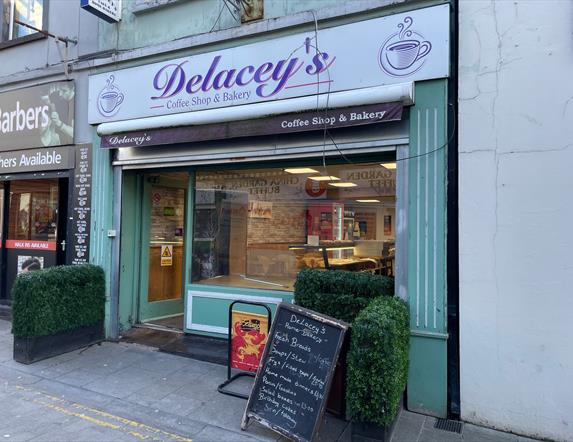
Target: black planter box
<point x="364" y="432"/>
<point x="30" y="350"/>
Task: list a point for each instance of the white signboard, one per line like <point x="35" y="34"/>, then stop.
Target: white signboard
<point x="109" y="10"/>
<point x="402" y="47"/>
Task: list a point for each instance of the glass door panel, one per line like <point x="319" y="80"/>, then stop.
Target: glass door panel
<point x="163" y="241"/>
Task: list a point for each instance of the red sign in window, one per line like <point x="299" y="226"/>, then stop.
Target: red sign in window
<point x="24" y="244"/>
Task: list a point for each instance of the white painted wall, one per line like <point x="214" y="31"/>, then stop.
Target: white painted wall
<point x="516" y="215"/>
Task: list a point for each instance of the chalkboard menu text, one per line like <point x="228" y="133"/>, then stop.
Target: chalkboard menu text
<point x="290" y="390"/>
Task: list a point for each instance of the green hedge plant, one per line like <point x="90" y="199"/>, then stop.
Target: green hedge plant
<point x="57" y="299"/>
<point x="378" y="361"/>
<point x="339" y="294"/>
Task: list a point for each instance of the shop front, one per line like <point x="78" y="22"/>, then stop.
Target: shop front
<point x="45" y="183"/>
<point x="234" y="169"/>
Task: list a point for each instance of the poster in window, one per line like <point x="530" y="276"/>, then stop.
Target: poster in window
<point x="261" y="209"/>
<point x="249" y="336"/>
<point x="387" y="224"/>
<point x="30" y="263"/>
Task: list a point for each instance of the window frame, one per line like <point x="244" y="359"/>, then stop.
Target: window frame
<point x="31" y="37"/>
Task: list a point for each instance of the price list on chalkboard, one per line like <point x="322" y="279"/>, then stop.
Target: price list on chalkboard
<point x="292" y="383"/>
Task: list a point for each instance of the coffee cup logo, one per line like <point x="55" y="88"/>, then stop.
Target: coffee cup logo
<point x="404" y="52"/>
<point x="109" y="99"/>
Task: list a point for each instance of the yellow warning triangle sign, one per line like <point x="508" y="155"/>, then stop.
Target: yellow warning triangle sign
<point x="166" y="252"/>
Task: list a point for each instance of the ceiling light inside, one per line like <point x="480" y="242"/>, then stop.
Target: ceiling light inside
<point x="324" y="178"/>
<point x="389" y="165"/>
<point x="368" y="201"/>
<point x="345" y="184"/>
<point x="300" y="170"/>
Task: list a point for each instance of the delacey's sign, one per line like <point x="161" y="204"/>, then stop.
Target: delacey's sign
<point x="38" y="116"/>
<point x="404" y="47"/>
<point x="292" y="383"/>
<point x="280" y="124"/>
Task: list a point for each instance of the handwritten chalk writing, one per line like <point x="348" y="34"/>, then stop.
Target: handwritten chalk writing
<point x="294" y="343"/>
<point x="291" y="388"/>
<point x="305" y="323"/>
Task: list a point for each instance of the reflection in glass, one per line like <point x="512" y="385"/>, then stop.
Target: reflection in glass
<point x="166" y="243"/>
<point x="24" y="11"/>
<point x="258" y="228"/>
<point x="33" y="210"/>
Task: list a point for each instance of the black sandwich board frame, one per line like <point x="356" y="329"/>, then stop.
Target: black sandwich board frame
<point x="248" y="414"/>
<point x="222" y="387"/>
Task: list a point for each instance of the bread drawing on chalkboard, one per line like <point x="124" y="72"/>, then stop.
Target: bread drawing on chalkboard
<point x="248" y="341"/>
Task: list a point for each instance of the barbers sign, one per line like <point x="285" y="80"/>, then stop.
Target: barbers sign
<point x="397" y="48"/>
<point x="38" y="116"/>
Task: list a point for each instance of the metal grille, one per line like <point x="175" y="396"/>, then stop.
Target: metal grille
<point x="449" y="425"/>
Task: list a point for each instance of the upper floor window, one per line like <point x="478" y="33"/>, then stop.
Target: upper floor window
<point x="18" y="13"/>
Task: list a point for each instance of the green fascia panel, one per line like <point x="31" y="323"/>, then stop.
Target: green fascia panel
<point x="427" y="386"/>
<point x="427" y="382"/>
<point x="214" y="312"/>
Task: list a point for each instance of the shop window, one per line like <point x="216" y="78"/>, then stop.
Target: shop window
<point x="18" y="13"/>
<point x="258" y="228"/>
<point x="33" y="210"/>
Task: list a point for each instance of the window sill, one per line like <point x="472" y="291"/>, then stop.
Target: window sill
<point x="21" y="40"/>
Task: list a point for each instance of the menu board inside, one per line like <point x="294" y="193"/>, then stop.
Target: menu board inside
<point x="292" y="384"/>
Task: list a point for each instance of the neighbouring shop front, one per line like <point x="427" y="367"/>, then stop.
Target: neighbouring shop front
<point x="45" y="183"/>
<point x="234" y="169"/>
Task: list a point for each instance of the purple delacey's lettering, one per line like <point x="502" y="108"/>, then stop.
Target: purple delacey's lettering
<point x="176" y="75"/>
<point x="271" y="78"/>
<point x="319" y="64"/>
<point x="240" y="81"/>
<point x="281" y="77"/>
<point x="206" y="87"/>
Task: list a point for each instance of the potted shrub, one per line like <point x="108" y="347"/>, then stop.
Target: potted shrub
<point x="341" y="295"/>
<point x="57" y="310"/>
<point x="377" y="368"/>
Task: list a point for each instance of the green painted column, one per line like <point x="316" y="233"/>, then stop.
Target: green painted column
<point x="427" y="382"/>
<point x="101" y="215"/>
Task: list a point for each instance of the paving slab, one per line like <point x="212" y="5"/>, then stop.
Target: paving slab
<point x="126" y="392"/>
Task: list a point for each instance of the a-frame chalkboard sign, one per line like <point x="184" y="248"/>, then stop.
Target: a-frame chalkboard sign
<point x="292" y="383"/>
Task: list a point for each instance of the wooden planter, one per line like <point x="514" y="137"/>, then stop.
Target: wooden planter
<point x="364" y="432"/>
<point x="30" y="350"/>
<point x="336" y="402"/>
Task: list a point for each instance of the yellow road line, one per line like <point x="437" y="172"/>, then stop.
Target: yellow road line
<point x="66" y="407"/>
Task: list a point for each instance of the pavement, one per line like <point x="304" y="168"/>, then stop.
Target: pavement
<point x="129" y="392"/>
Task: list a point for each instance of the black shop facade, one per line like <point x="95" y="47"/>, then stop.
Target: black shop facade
<point x="45" y="183"/>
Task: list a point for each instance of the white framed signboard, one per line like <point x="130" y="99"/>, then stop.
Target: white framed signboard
<point x="405" y="47"/>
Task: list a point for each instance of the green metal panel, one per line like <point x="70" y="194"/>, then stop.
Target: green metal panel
<point x="427" y="377"/>
<point x="101" y="216"/>
<point x="130" y="250"/>
<point x="427" y="384"/>
<point x="213" y="311"/>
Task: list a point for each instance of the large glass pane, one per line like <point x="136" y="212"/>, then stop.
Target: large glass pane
<point x="166" y="243"/>
<point x="257" y="228"/>
<point x="34" y="211"/>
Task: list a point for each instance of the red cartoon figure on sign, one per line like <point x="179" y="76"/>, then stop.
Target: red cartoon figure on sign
<point x="248" y="342"/>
